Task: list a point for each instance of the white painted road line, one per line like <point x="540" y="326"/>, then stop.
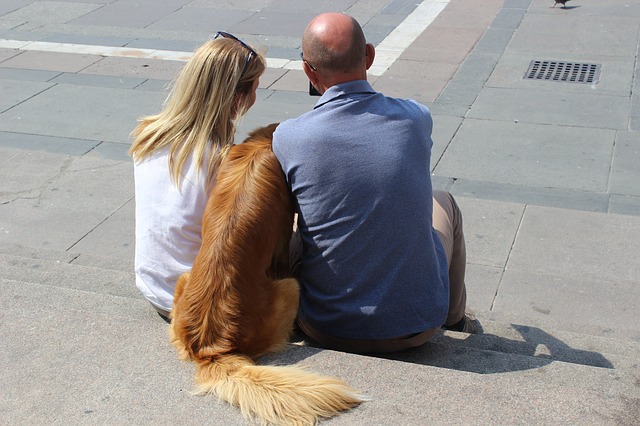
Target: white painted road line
<point x="406" y="33"/>
<point x="387" y="52"/>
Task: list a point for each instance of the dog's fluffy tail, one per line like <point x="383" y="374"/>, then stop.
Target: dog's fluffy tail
<point x="274" y="394"/>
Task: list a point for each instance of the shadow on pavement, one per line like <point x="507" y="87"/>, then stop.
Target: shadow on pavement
<point x="482" y="354"/>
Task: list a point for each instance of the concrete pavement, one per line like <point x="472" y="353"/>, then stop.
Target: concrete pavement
<point x="546" y="172"/>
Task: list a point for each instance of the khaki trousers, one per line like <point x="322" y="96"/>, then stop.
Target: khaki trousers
<point x="447" y="221"/>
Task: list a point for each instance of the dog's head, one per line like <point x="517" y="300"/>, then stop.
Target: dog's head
<point x="265" y="132"/>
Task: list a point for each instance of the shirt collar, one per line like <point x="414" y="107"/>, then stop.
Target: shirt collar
<point x="342" y="89"/>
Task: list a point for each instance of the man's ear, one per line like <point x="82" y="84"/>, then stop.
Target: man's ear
<point x="311" y="75"/>
<point x="370" y="54"/>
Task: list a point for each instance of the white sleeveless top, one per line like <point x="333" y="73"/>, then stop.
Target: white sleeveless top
<point x="168" y="226"/>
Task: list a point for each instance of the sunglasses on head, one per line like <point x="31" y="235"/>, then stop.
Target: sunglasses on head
<point x="252" y="52"/>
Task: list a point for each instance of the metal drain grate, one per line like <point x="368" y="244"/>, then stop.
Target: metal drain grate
<point x="570" y="72"/>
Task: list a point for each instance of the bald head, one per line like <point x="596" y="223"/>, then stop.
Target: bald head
<point x="335" y="43"/>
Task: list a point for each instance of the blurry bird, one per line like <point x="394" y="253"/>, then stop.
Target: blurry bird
<point x="563" y="2"/>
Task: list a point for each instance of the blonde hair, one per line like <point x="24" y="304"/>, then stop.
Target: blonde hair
<point x="199" y="115"/>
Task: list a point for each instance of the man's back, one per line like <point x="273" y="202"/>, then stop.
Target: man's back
<point x="358" y="166"/>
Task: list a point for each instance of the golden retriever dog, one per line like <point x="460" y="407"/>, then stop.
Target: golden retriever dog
<point x="237" y="303"/>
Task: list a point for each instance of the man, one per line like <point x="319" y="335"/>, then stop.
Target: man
<point x="375" y="275"/>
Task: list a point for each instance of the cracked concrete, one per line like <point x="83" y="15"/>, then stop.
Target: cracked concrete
<point x="63" y="212"/>
<point x="37" y="170"/>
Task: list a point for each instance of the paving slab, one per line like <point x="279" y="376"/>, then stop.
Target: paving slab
<point x="136" y="68"/>
<point x="625" y="9"/>
<point x="444" y="129"/>
<point x="32" y="142"/>
<point x="587" y="305"/>
<point x="625" y="173"/>
<point x="364" y="11"/>
<point x="454" y="354"/>
<point x="423" y="73"/>
<point x="88" y="39"/>
<point x="19" y="250"/>
<point x="490" y="229"/>
<point x="114" y="237"/>
<point x="27" y="75"/>
<point x="482" y="283"/>
<point x="438" y="44"/>
<point x="557" y="107"/>
<point x="63" y="201"/>
<point x="177" y="45"/>
<point x="457" y="97"/>
<point x="309" y="7"/>
<point x="15" y="92"/>
<point x="546" y="343"/>
<point x="378" y="27"/>
<point x="624" y="204"/>
<point x="8" y="53"/>
<point x="281" y="79"/>
<point x="156" y="86"/>
<point x="509" y="17"/>
<point x="232" y="4"/>
<point x="580" y="32"/>
<point x="471" y="75"/>
<point x="79" y="112"/>
<point x="11" y="5"/>
<point x="269" y="22"/>
<point x="118" y="82"/>
<point x="63" y="62"/>
<point x="578" y="271"/>
<point x="474" y="15"/>
<point x="112" y="151"/>
<point x="583" y="245"/>
<point x="24" y="172"/>
<point x="35" y="14"/>
<point x="203" y="19"/>
<point x="494" y="40"/>
<point x="111" y="30"/>
<point x="423" y="89"/>
<point x="550" y="197"/>
<point x="534" y="155"/>
<point x="477" y="67"/>
<point x="127" y="14"/>
<point x="399" y="7"/>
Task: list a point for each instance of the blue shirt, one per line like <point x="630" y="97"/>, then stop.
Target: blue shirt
<point x="358" y="167"/>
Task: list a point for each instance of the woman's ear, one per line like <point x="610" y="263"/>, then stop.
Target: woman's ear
<point x="235" y="107"/>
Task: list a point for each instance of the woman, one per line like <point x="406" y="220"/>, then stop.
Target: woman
<point x="176" y="154"/>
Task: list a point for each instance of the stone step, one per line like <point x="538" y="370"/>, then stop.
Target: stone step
<point x="511" y="347"/>
<point x="76" y="258"/>
<point x="545" y="345"/>
<point x="49" y="271"/>
<point x="503" y="345"/>
<point x="75" y="356"/>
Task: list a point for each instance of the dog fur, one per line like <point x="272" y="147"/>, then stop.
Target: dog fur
<point x="237" y="302"/>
